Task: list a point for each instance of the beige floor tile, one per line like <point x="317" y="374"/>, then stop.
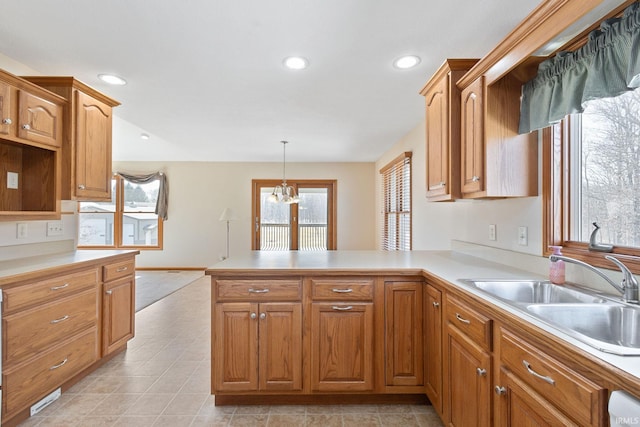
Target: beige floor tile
<point x="174" y="421"/>
<point x="285" y="420"/>
<point x="323" y="420"/>
<point x="217" y="420"/>
<point x="135" y="421"/>
<point x="360" y="420"/>
<point x="249" y="420"/>
<point x="150" y="404"/>
<point x="185" y="404"/>
<point x="115" y="404"/>
<point x="399" y="420"/>
<point x="252" y="410"/>
<point x="429" y="420"/>
<point x="288" y="409"/>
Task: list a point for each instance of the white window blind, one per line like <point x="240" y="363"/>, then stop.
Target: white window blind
<point x="396" y="197"/>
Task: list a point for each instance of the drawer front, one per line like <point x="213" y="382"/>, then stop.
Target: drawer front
<point x="48" y="290"/>
<point x="258" y="290"/>
<point x="472" y="323"/>
<point x="343" y="290"/>
<point x="32" y="331"/>
<point x="26" y="384"/>
<point x="578" y="397"/>
<point x="118" y="269"/>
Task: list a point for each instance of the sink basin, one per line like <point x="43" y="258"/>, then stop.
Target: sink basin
<point x="532" y="291"/>
<point x="614" y="328"/>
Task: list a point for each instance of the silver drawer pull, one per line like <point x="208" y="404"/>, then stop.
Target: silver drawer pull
<point x="436" y="304"/>
<point x="121" y="269"/>
<point x="108" y="292"/>
<point x="481" y="372"/>
<point x="349" y="307"/>
<point x="55" y="288"/>
<point x="475" y="178"/>
<point x="462" y="319"/>
<point x="59" y="365"/>
<point x="537" y="375"/>
<point x="258" y="291"/>
<point x="62" y="319"/>
<point x="500" y="391"/>
<point x="342" y="291"/>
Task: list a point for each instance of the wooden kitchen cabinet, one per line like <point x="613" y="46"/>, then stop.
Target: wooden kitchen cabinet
<point x="86" y="163"/>
<point x="467" y="367"/>
<point x="442" y="120"/>
<point x="537" y="389"/>
<point x="404" y="362"/>
<point x="433" y="346"/>
<point x="118" y="305"/>
<point x="472" y="143"/>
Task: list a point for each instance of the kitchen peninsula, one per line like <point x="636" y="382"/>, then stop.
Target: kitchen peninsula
<point x="370" y="326"/>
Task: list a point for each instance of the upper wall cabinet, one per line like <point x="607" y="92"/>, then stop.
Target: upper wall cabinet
<point x="30" y="150"/>
<point x="86" y="153"/>
<point x="442" y="99"/>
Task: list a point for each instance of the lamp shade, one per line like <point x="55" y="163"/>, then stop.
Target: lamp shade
<point x="228" y="214"/>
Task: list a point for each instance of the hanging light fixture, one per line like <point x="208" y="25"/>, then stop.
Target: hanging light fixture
<point x="283" y="193"/>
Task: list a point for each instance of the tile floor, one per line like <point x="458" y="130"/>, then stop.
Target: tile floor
<point x="162" y="379"/>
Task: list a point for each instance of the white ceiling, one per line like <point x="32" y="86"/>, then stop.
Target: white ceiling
<point x="206" y="81"/>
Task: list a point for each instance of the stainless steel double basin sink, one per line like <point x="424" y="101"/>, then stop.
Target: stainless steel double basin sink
<point x="600" y="321"/>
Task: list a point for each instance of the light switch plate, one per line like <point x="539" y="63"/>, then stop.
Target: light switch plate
<point x="54" y="228"/>
<point x="12" y="180"/>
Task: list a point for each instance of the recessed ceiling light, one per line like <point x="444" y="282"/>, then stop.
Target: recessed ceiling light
<point x="144" y="136"/>
<point x="405" y="62"/>
<point x="296" y="63"/>
<point x="112" y="79"/>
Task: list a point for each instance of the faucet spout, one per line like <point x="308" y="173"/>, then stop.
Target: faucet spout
<point x="629" y="286"/>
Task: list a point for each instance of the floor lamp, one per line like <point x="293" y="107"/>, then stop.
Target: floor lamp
<point x="228" y="215"/>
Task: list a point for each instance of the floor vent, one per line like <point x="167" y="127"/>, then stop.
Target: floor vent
<point x="46" y="401"/>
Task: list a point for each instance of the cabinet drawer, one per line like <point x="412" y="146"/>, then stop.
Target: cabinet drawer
<point x="32" y="331"/>
<point x="335" y="289"/>
<point x="569" y="391"/>
<point x="258" y="290"/>
<point x="48" y="290"/>
<point x="472" y="323"/>
<point x="118" y="269"/>
<point x="29" y="382"/>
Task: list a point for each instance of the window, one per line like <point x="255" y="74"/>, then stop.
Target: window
<point x="396" y="199"/>
<point x="308" y="225"/>
<point x="593" y="162"/>
<point x="128" y="220"/>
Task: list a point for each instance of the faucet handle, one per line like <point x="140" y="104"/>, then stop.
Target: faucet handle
<point x="629" y="282"/>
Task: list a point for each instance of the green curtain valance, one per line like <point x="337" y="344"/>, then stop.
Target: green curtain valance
<point x="606" y="66"/>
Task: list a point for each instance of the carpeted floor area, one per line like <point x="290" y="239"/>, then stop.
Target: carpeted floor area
<point x="152" y="286"/>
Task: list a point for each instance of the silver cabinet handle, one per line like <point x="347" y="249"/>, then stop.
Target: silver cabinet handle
<point x="443" y="184"/>
<point x="537" y="375"/>
<point x="6" y="121"/>
<point x="81" y="187"/>
<point x="258" y="291"/>
<point x="462" y="319"/>
<point x="121" y="269"/>
<point x="481" y="372"/>
<point x="62" y="319"/>
<point x="349" y="307"/>
<point x="26" y="127"/>
<point x="342" y="291"/>
<point x="55" y="288"/>
<point x="59" y="364"/>
<point x="500" y="390"/>
<point x="263" y="316"/>
<point x="108" y="292"/>
<point x="253" y="315"/>
<point x="436" y="304"/>
<point x="475" y="178"/>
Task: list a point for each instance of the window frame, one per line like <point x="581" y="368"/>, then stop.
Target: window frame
<point x="396" y="165"/>
<point x="118" y="223"/>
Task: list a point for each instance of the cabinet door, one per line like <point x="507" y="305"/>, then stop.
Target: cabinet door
<point x="472" y="144"/>
<point x="92" y="148"/>
<point x="280" y="346"/>
<point x="118" y="314"/>
<point x="522" y="406"/>
<point x="235" y="354"/>
<point x="39" y="120"/>
<point x="403" y="333"/>
<point x="469" y="381"/>
<point x="342" y="346"/>
<point x="433" y="347"/>
<point x="437" y="134"/>
<point x="5" y="109"/>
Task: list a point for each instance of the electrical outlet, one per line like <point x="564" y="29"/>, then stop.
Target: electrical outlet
<point x="523" y="236"/>
<point x="54" y="228"/>
<point x="12" y="180"/>
<point x="492" y="232"/>
<point x="22" y="230"/>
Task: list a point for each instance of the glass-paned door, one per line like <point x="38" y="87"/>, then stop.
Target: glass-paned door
<point x="308" y="225"/>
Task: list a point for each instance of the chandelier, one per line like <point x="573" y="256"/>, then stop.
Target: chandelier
<point x="283" y="193"/>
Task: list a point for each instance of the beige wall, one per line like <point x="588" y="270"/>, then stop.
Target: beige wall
<point x="199" y="191"/>
<point x="436" y="224"/>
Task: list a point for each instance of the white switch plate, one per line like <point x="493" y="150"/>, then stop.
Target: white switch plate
<point x="492" y="232"/>
<point x="22" y="230"/>
<point x="523" y="236"/>
<point x="54" y="228"/>
<point x="12" y="180"/>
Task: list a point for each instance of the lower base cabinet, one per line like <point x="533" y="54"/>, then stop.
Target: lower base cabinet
<point x="118" y="308"/>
